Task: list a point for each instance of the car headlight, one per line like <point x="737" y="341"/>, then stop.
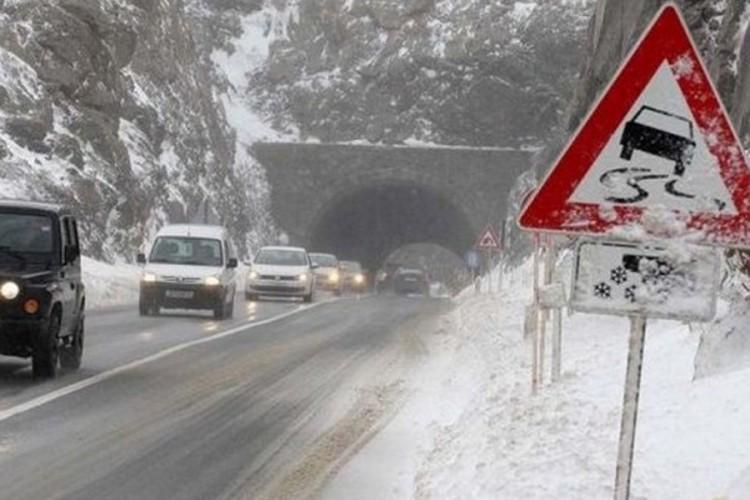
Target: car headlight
<point x="252" y="275"/>
<point x="149" y="277"/>
<point x="303" y="277"/>
<point x="211" y="281"/>
<point x="359" y="278"/>
<point x="10" y="290"/>
<point x="333" y="277"/>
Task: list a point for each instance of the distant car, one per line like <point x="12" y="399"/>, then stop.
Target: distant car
<point x="352" y="276"/>
<point x="327" y="272"/>
<point x="190" y="266"/>
<point x="659" y="133"/>
<point x="42" y="296"/>
<point x="384" y="277"/>
<point x="411" y="281"/>
<point x="280" y="271"/>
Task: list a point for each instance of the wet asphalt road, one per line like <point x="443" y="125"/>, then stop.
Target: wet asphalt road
<point x="213" y="419"/>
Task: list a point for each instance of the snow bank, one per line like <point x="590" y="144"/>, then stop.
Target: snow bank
<point x="109" y="285"/>
<point x="504" y="443"/>
<point x="725" y="343"/>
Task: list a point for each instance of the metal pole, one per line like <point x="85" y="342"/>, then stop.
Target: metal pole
<point x="556" y="344"/>
<point x="488" y="260"/>
<point x="535" y="336"/>
<point x="546" y="279"/>
<point x="551" y="261"/>
<point x="630" y="408"/>
<point x="501" y="272"/>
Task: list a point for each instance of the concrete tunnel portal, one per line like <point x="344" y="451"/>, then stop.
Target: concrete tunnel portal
<point x="363" y="202"/>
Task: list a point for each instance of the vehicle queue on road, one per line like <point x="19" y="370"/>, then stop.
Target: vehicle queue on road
<point x="188" y="266"/>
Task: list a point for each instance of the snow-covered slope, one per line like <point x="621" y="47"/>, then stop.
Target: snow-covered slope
<point x="114" y="108"/>
<point x="480" y="433"/>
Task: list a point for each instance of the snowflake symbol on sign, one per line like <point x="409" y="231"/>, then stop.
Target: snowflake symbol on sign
<point x="619" y="275"/>
<point x="603" y="291"/>
<point x="630" y="293"/>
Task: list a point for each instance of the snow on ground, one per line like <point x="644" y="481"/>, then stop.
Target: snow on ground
<point x="109" y="285"/>
<point x="472" y="429"/>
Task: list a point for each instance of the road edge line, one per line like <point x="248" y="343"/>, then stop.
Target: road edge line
<point x="101" y="377"/>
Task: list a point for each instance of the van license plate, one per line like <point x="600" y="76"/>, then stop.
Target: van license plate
<point x="179" y="294"/>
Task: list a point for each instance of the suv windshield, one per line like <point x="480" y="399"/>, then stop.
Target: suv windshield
<point x="26" y="234"/>
<point x="324" y="260"/>
<point x="186" y="250"/>
<point x="281" y="257"/>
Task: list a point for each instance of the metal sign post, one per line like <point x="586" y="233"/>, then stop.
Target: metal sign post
<point x="488" y="269"/>
<point x="630" y="407"/>
<point x="556" y="344"/>
<point x="535" y="333"/>
<point x="489" y="242"/>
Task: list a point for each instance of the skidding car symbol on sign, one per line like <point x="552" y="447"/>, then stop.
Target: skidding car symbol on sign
<point x="639" y="135"/>
<point x="674" y="142"/>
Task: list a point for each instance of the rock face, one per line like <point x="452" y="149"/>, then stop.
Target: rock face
<point x="461" y="72"/>
<point x="111" y="106"/>
<point x="719" y="28"/>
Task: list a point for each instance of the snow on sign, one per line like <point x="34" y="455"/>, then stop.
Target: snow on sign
<point x="488" y="239"/>
<point x="627" y="279"/>
<point x="657" y="142"/>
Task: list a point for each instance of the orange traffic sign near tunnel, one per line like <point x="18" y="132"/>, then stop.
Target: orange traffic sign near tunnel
<point x="658" y="142"/>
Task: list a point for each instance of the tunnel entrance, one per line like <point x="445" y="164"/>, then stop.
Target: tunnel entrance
<point x="369" y="224"/>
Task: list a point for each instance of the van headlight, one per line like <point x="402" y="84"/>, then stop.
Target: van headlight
<point x="303" y="277"/>
<point x="252" y="275"/>
<point x="10" y="290"/>
<point x="148" y="278"/>
<point x="334" y="277"/>
<point x="211" y="281"/>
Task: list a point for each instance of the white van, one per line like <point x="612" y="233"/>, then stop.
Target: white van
<point x="189" y="266"/>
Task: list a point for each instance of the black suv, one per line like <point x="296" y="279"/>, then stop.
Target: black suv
<point x="42" y="297"/>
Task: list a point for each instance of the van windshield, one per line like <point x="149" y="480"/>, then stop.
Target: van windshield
<point x="187" y="251"/>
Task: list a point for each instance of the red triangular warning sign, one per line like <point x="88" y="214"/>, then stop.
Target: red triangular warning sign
<point x="657" y="142"/>
<point x="488" y="239"/>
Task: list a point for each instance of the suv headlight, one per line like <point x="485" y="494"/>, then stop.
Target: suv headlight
<point x="10" y="290"/>
<point x="212" y="281"/>
<point x="149" y="277"/>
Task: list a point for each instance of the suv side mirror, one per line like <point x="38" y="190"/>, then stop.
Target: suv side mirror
<point x="141" y="258"/>
<point x="232" y="263"/>
<point x="71" y="254"/>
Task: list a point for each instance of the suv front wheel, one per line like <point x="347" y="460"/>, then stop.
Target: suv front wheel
<point x="46" y="348"/>
<point x="71" y="354"/>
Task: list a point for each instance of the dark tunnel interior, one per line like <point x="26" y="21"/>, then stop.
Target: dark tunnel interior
<point x="369" y="224"/>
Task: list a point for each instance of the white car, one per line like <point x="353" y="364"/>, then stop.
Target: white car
<point x="189" y="266"/>
<point x="327" y="272"/>
<point x="281" y="272"/>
